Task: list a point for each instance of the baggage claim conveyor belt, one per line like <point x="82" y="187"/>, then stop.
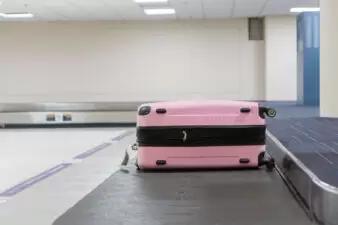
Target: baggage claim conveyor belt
<point x="222" y="197"/>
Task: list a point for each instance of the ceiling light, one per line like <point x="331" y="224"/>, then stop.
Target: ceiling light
<point x="16" y="15"/>
<point x="150" y="1"/>
<point x="306" y="9"/>
<point x="159" y="11"/>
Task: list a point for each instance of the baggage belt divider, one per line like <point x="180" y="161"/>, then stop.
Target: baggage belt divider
<point x="201" y="136"/>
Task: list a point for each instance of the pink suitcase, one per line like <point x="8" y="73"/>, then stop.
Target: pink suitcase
<point x="202" y="134"/>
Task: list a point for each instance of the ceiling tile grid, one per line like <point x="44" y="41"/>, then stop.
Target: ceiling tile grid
<point x="129" y="10"/>
<point x="248" y="8"/>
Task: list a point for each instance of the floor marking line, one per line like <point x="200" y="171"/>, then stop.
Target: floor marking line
<point x="98" y="148"/>
<point x="122" y="136"/>
<point x="92" y="151"/>
<point x="33" y="180"/>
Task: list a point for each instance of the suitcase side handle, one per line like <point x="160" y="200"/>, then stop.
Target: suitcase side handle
<point x="245" y="110"/>
<point x="161" y="111"/>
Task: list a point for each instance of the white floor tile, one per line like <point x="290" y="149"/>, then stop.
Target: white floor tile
<point x="47" y="200"/>
<point x="26" y="153"/>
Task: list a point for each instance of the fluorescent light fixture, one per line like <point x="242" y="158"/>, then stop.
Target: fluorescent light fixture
<point x="16" y="15"/>
<point x="151" y="12"/>
<point x="150" y="1"/>
<point x="305" y="9"/>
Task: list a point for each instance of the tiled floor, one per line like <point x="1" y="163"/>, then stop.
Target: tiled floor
<point x="25" y="153"/>
<point x="43" y="202"/>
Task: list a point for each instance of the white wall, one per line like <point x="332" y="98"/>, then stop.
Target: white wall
<point x="129" y="61"/>
<point x="281" y="58"/>
<point x="142" y="61"/>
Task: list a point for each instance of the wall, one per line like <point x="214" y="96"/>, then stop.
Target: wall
<point x="129" y="61"/>
<point x="143" y="61"/>
<point x="281" y="58"/>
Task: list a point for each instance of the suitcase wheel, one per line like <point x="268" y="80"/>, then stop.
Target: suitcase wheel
<point x="270" y="165"/>
<point x="134" y="147"/>
<point x="271" y="112"/>
<point x="261" y="159"/>
<point x="137" y="166"/>
<point x="144" y="110"/>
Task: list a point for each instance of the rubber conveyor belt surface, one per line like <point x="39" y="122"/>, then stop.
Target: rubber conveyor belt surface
<point x="246" y="197"/>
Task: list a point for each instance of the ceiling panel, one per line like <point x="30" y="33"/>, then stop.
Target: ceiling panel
<point x="87" y="3"/>
<point x="128" y="10"/>
<point x="248" y="8"/>
<point x="218" y="8"/>
<point x="277" y="7"/>
<point x="120" y="3"/>
<point x="131" y="12"/>
<point x="192" y="9"/>
<point x="307" y="3"/>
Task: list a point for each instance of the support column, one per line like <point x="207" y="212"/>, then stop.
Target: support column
<point x="329" y="58"/>
<point x="308" y="48"/>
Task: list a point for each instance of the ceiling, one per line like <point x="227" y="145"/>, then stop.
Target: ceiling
<point x="52" y="10"/>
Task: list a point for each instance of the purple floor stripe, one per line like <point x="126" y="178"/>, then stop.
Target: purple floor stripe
<point x="101" y="147"/>
<point x="92" y="151"/>
<point x="25" y="184"/>
<point x="122" y="136"/>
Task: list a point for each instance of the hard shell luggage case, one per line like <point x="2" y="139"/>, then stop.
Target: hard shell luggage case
<point x="202" y="134"/>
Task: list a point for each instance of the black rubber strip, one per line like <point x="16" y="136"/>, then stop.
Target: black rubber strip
<point x="244" y="197"/>
<point x="201" y="136"/>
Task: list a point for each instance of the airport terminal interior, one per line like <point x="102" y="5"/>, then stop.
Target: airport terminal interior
<point x="80" y="81"/>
